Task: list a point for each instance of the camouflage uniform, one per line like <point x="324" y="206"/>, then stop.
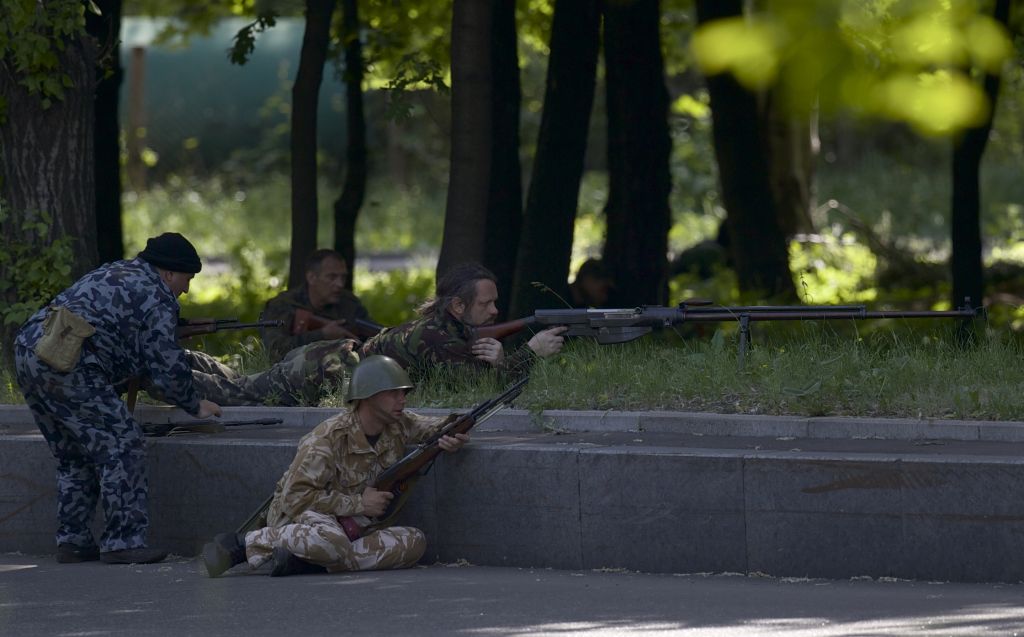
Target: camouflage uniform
<point x="99" y="447"/>
<point x="279" y="341"/>
<point x="302" y="378"/>
<point x="422" y="345"/>
<point x="333" y="465"/>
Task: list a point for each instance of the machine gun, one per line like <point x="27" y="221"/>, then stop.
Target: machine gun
<point x="621" y="325"/>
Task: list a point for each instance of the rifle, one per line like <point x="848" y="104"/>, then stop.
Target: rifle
<point x="211" y="425"/>
<point x="307" y="321"/>
<point x="187" y="328"/>
<point x="621" y="325"/>
<point x="400" y="477"/>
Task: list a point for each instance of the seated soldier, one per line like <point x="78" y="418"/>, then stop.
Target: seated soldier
<point x="324" y="296"/>
<point x="331" y="476"/>
<point x="444" y="332"/>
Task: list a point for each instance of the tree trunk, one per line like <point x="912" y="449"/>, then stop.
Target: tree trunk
<point x="757" y="241"/>
<point x="793" y="149"/>
<point x="47" y="171"/>
<point x="465" y="220"/>
<point x="966" y="260"/>
<point x="505" y="198"/>
<point x="305" y="96"/>
<point x="637" y="211"/>
<point x="545" y="246"/>
<point x="346" y="208"/>
<point x="106" y="28"/>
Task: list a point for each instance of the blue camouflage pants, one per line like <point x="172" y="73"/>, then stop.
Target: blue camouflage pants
<point x="100" y="452"/>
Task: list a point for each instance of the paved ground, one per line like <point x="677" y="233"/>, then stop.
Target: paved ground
<point x="40" y="597"/>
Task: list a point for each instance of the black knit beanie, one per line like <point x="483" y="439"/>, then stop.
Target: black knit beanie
<point x="173" y="252"/>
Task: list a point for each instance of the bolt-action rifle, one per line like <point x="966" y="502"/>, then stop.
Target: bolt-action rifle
<point x="187" y="328"/>
<point x="400" y="477"/>
<point x="306" y="321"/>
<point x="208" y="426"/>
<point x="621" y="325"/>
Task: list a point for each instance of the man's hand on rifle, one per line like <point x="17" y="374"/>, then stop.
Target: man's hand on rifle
<point x="375" y="502"/>
<point x="548" y="342"/>
<point x="208" y="409"/>
<point x="451" y="444"/>
<point x="336" y="330"/>
<point x="489" y="350"/>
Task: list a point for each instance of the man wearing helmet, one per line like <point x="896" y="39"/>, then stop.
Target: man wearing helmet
<point x="331" y="477"/>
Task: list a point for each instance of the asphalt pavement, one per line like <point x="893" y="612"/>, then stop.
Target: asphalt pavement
<point x="40" y="597"/>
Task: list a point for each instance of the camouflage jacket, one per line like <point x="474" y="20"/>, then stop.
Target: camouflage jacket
<point x="427" y="343"/>
<point x="135" y="315"/>
<point x="278" y="341"/>
<point x="335" y="463"/>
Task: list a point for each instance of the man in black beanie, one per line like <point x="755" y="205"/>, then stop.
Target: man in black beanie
<point x="71" y="359"/>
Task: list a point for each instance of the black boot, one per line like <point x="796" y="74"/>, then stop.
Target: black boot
<point x="72" y="554"/>
<point x="226" y="550"/>
<point x="140" y="555"/>
<point x="287" y="564"/>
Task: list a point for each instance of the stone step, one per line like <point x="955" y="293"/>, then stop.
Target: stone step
<point x="680" y="493"/>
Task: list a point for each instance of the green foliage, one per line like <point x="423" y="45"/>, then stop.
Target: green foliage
<point x="10" y="393"/>
<point x="392" y="297"/>
<point x="33" y="270"/>
<point x="32" y="36"/>
<point x="906" y="60"/>
<point x="245" y="39"/>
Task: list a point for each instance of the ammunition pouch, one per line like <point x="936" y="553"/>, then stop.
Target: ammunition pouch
<point x="60" y="346"/>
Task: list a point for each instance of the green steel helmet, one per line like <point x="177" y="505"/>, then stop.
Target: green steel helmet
<point x="376" y="374"/>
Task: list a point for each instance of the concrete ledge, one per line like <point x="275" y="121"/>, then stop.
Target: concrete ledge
<point x="647" y="491"/>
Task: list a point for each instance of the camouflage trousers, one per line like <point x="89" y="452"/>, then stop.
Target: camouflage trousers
<point x="300" y="378"/>
<point x="319" y="539"/>
<point x="100" y="452"/>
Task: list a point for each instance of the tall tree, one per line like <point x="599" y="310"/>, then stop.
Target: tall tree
<point x="469" y="192"/>
<point x="505" y="197"/>
<point x="756" y="238"/>
<point x="346" y="208"/>
<point x="966" y="263"/>
<point x="637" y="212"/>
<point x="305" y="97"/>
<point x="106" y="29"/>
<point x="47" y="189"/>
<point x="545" y="244"/>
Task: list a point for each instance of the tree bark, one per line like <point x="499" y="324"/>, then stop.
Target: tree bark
<point x="106" y="28"/>
<point x="47" y="169"/>
<point x="305" y="96"/>
<point x="638" y="215"/>
<point x="465" y="220"/>
<point x="966" y="260"/>
<point x="353" y="192"/>
<point x="545" y="245"/>
<point x="793" y="150"/>
<point x="757" y="241"/>
<point x="505" y="197"/>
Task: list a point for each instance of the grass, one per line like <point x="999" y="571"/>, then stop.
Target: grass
<point x="808" y="369"/>
<point x="812" y="371"/>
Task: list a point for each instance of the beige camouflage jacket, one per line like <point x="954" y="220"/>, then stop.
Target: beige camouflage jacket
<point x="335" y="463"/>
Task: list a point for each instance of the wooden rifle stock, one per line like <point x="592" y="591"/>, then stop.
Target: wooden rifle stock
<point x="307" y="321"/>
<point x="400" y="477"/>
